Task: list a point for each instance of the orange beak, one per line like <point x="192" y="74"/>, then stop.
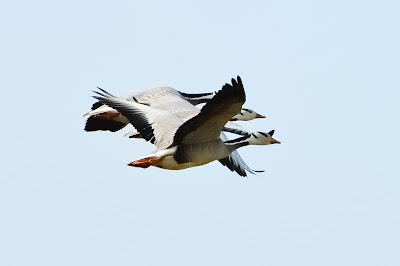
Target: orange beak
<point x="260" y="116"/>
<point x="274" y="141"/>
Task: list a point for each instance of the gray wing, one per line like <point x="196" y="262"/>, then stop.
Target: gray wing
<point x="163" y="98"/>
<point x="167" y="99"/>
<point x="208" y="124"/>
<point x="154" y="125"/>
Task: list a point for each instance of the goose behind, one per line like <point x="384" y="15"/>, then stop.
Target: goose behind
<point x="106" y="118"/>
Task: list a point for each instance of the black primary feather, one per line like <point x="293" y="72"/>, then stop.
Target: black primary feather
<point x="96" y="105"/>
<point x="94" y="123"/>
<point x="235" y="131"/>
<point x="135" y="117"/>
<point x="196" y="98"/>
<point x="228" y="162"/>
<point x="106" y="92"/>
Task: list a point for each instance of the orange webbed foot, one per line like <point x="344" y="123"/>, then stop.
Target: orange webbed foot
<point x="146" y="162"/>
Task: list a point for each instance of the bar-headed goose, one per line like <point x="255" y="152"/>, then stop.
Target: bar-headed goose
<point x="182" y="144"/>
<point x="103" y="117"/>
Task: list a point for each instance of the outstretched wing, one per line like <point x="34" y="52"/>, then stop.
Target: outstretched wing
<point x="154" y="125"/>
<point x="208" y="124"/>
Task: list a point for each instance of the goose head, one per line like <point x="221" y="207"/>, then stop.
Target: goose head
<point x="246" y="115"/>
<point x="255" y="138"/>
<point x="261" y="138"/>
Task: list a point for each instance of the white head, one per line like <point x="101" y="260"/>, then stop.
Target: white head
<point x="246" y="115"/>
<point x="261" y="138"/>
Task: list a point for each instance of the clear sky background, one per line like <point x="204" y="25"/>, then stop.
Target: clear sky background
<point x="325" y="73"/>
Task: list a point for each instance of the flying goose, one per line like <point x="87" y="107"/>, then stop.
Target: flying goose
<point x="181" y="144"/>
<point x="103" y="117"/>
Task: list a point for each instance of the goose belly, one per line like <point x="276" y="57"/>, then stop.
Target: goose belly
<point x="170" y="163"/>
<point x="195" y="155"/>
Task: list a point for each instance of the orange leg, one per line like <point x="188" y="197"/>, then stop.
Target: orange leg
<point x="146" y="162"/>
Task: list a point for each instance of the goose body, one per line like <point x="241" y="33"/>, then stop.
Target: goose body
<point x="187" y="143"/>
<point x="196" y="154"/>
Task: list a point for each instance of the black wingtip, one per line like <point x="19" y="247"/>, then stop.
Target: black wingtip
<point x="101" y="94"/>
<point x="271" y="132"/>
<point x="228" y="163"/>
<point x="239" y="80"/>
<point x="259" y="171"/>
<point x="238" y="85"/>
<point x="234" y="83"/>
<point x="96" y="123"/>
<point x="99" y="98"/>
<point x="96" y="105"/>
<point x="106" y="92"/>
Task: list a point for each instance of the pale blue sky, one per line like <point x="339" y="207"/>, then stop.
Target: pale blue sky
<point x="326" y="74"/>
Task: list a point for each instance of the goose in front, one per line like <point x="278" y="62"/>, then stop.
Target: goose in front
<point x="183" y="144"/>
